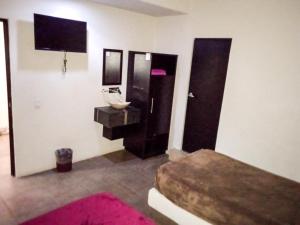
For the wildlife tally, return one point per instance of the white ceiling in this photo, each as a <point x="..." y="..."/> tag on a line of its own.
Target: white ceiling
<point x="140" y="7"/>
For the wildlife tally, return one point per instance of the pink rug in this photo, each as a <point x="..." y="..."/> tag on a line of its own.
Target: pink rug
<point x="99" y="209"/>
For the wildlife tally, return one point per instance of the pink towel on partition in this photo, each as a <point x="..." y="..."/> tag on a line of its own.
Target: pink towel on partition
<point x="158" y="72"/>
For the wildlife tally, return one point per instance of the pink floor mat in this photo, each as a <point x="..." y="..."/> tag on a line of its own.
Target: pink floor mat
<point x="99" y="209"/>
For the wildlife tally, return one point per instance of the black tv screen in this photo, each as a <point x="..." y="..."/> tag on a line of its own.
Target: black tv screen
<point x="57" y="34"/>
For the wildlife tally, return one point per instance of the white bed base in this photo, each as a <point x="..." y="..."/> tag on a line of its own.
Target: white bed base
<point x="179" y="215"/>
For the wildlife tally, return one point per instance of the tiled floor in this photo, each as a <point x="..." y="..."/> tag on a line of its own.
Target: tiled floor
<point x="121" y="173"/>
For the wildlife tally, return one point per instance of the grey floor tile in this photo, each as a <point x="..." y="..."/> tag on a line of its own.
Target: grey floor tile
<point x="121" y="173"/>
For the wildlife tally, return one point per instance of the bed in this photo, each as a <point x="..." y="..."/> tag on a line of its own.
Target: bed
<point x="206" y="187"/>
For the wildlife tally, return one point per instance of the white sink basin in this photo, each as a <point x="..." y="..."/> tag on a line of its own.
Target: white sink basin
<point x="115" y="100"/>
<point x="119" y="105"/>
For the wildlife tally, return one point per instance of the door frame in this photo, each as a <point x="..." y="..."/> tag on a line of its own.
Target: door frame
<point x="9" y="98"/>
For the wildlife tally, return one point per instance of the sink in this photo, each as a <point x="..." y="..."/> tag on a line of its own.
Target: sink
<point x="115" y="99"/>
<point x="119" y="105"/>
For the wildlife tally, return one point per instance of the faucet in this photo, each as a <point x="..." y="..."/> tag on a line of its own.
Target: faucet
<point x="115" y="90"/>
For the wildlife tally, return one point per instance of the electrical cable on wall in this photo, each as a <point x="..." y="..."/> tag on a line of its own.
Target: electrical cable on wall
<point x="65" y="62"/>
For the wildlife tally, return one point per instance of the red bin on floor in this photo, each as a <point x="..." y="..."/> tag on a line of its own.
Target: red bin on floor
<point x="64" y="159"/>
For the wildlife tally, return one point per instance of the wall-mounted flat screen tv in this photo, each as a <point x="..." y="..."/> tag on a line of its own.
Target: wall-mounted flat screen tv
<point x="57" y="34"/>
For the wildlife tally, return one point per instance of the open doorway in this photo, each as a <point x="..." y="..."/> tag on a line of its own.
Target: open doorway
<point x="7" y="162"/>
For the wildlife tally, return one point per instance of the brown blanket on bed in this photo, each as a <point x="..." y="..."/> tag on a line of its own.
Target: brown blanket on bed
<point x="223" y="191"/>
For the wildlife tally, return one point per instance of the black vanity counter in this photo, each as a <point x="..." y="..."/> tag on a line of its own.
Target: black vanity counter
<point x="117" y="123"/>
<point x="111" y="117"/>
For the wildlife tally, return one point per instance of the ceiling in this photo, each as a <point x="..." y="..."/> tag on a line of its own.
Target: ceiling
<point x="140" y="6"/>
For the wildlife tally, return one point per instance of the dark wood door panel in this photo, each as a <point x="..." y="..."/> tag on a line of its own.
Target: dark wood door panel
<point x="207" y="82"/>
<point x="161" y="93"/>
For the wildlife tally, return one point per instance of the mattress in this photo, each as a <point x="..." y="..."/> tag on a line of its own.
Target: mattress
<point x="179" y="215"/>
<point x="225" y="191"/>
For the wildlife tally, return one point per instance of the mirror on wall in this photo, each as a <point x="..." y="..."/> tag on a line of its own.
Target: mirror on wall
<point x="112" y="67"/>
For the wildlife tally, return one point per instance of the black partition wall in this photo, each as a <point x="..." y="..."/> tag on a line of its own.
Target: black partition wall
<point x="150" y="87"/>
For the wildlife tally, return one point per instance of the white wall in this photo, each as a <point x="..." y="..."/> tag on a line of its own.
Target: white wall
<point x="260" y="116"/>
<point x="260" y="119"/>
<point x="3" y="88"/>
<point x="52" y="110"/>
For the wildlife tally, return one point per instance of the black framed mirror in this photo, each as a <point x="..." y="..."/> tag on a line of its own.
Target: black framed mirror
<point x="112" y="67"/>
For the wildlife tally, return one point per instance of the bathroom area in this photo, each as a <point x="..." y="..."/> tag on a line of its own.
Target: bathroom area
<point x="142" y="115"/>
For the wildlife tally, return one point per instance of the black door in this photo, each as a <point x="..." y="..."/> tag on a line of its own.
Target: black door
<point x="207" y="82"/>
